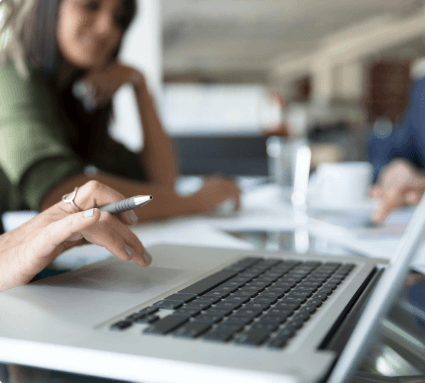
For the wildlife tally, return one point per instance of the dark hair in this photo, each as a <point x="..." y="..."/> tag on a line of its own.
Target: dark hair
<point x="39" y="33"/>
<point x="39" y="39"/>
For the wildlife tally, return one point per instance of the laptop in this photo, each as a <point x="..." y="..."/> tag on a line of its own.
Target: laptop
<point x="207" y="315"/>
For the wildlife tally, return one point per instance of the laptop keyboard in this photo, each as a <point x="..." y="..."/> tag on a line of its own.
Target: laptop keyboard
<point x="253" y="302"/>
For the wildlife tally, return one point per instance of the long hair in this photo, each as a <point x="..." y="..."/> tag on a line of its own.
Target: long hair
<point x="40" y="45"/>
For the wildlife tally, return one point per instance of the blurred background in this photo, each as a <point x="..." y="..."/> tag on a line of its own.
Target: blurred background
<point x="228" y="73"/>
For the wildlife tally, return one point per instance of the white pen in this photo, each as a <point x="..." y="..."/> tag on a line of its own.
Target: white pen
<point x="127" y="204"/>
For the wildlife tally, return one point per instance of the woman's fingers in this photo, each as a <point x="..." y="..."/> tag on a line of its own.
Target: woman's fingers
<point x="117" y="238"/>
<point x="95" y="194"/>
<point x="54" y="234"/>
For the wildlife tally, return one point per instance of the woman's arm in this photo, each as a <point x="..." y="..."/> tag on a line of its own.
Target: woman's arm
<point x="166" y="202"/>
<point x="158" y="155"/>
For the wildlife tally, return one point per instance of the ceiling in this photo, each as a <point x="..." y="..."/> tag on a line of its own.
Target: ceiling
<point x="240" y="39"/>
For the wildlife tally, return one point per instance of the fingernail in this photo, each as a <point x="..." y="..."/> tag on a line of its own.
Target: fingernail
<point x="89" y="213"/>
<point x="147" y="257"/>
<point x="128" y="250"/>
<point x="133" y="216"/>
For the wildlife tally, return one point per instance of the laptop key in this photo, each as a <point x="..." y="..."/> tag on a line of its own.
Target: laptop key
<point x="166" y="325"/>
<point x="148" y="319"/>
<point x="204" y="299"/>
<point x="270" y="300"/>
<point x="287" y="305"/>
<point x="320" y="296"/>
<point x="230" y="328"/>
<point x="179" y="298"/>
<point x="228" y="305"/>
<point x="208" y="283"/>
<point x="257" y="305"/>
<point x="278" y="343"/>
<point x="278" y="312"/>
<point x="235" y="299"/>
<point x="252" y="338"/>
<point x="217" y="294"/>
<point x="191" y="330"/>
<point x="273" y="319"/>
<point x="267" y="327"/>
<point x="251" y="313"/>
<point x="187" y="312"/>
<point x="121" y="325"/>
<point x="209" y="319"/>
<point x="148" y="310"/>
<point x="218" y="311"/>
<point x="242" y="321"/>
<point x="215" y="336"/>
<point x="197" y="305"/>
<point x="168" y="304"/>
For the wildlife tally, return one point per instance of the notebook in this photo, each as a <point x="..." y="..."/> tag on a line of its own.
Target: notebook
<point x="207" y="314"/>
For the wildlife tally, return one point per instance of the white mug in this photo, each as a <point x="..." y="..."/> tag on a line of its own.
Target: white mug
<point x="343" y="184"/>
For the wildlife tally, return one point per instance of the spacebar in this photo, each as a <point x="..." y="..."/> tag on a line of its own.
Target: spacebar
<point x="208" y="283"/>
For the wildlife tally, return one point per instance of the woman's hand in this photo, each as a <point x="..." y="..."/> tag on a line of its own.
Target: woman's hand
<point x="400" y="184"/>
<point x="215" y="191"/>
<point x="28" y="249"/>
<point x="101" y="85"/>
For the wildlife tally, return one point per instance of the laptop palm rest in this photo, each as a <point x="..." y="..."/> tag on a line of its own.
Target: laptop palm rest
<point x="96" y="293"/>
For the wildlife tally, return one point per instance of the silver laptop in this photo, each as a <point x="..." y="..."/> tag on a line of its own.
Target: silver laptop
<point x="206" y="315"/>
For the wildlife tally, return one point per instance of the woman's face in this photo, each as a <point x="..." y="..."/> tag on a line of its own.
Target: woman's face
<point x="89" y="32"/>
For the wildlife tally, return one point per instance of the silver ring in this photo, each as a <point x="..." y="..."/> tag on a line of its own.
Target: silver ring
<point x="71" y="199"/>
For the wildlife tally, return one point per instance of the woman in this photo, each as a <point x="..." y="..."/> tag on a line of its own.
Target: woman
<point x="48" y="136"/>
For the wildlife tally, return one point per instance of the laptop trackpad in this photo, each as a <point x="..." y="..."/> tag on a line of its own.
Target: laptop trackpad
<point x="118" y="280"/>
<point x="97" y="293"/>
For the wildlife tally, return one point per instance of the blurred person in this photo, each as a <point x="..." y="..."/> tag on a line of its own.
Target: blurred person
<point x="54" y="122"/>
<point x="399" y="160"/>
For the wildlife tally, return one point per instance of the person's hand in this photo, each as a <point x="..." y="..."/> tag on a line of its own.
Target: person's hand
<point x="101" y="85"/>
<point x="215" y="191"/>
<point x="28" y="249"/>
<point x="400" y="184"/>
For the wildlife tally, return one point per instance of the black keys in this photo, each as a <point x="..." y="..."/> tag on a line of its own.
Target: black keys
<point x="172" y="305"/>
<point x="210" y="300"/>
<point x="166" y="325"/>
<point x="209" y="319"/>
<point x="264" y="326"/>
<point x="270" y="300"/>
<point x="208" y="283"/>
<point x="148" y="319"/>
<point x="257" y="305"/>
<point x="268" y="318"/>
<point x="252" y="338"/>
<point x="247" y="302"/>
<point x="278" y="342"/>
<point x="215" y="336"/>
<point x="179" y="298"/>
<point x="187" y="312"/>
<point x="148" y="310"/>
<point x="191" y="330"/>
<point x="228" y="305"/>
<point x="197" y="305"/>
<point x="235" y="299"/>
<point x="242" y="321"/>
<point x="250" y="313"/>
<point x="232" y="328"/>
<point x="218" y="311"/>
<point x="121" y="325"/>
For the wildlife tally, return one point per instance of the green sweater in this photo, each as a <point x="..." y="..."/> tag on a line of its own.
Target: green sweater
<point x="41" y="145"/>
